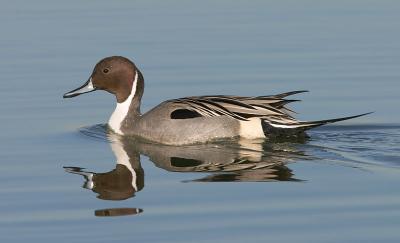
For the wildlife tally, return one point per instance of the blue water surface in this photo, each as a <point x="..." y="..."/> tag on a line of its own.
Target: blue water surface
<point x="341" y="185"/>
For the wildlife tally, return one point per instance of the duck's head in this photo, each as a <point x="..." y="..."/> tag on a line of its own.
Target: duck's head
<point x="117" y="75"/>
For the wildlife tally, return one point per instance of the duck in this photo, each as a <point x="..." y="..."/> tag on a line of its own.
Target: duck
<point x="193" y="119"/>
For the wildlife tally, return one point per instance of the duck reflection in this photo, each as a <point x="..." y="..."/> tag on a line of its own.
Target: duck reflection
<point x="120" y="183"/>
<point x="224" y="161"/>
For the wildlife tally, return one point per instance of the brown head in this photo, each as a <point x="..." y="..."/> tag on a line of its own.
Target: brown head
<point x="115" y="74"/>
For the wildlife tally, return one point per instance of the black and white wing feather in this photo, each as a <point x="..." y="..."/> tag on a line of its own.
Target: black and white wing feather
<point x="271" y="109"/>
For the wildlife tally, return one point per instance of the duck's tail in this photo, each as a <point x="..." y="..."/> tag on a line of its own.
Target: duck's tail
<point x="297" y="129"/>
<point x="312" y="124"/>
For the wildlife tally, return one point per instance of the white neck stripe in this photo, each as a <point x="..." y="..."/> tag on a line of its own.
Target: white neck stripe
<point x="122" y="109"/>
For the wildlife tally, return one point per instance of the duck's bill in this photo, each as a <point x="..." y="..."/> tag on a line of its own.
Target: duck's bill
<point x="86" y="88"/>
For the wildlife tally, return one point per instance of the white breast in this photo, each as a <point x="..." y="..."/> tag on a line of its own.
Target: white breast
<point x="122" y="109"/>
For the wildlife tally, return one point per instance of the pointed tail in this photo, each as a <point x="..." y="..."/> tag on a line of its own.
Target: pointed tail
<point x="313" y="124"/>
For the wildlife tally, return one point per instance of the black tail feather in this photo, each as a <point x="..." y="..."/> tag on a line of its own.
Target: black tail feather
<point x="273" y="129"/>
<point x="313" y="124"/>
<point x="283" y="95"/>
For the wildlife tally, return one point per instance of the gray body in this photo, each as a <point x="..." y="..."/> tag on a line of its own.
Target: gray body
<point x="157" y="125"/>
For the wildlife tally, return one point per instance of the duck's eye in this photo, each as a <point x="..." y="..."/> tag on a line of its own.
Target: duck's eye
<point x="105" y="70"/>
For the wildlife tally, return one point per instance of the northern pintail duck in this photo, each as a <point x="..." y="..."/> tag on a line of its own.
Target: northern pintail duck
<point x="195" y="119"/>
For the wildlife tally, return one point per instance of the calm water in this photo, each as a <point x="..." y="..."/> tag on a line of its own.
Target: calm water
<point x="63" y="175"/>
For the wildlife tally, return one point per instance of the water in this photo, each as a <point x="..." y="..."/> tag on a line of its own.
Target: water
<point x="339" y="186"/>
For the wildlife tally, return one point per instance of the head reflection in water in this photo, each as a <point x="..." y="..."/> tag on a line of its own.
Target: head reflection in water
<point x="234" y="160"/>
<point x="120" y="183"/>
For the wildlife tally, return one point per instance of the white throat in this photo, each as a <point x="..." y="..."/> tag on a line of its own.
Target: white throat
<point x="122" y="109"/>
